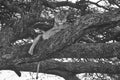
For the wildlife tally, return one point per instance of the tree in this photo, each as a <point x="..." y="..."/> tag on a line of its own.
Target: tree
<point x="87" y="38"/>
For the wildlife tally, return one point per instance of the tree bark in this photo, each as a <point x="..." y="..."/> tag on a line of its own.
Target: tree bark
<point x="63" y="45"/>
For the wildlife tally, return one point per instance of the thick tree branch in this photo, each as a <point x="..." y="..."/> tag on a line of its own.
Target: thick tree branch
<point x="89" y="50"/>
<point x="70" y="4"/>
<point x="68" y="36"/>
<point x="62" y="44"/>
<point x="71" y="68"/>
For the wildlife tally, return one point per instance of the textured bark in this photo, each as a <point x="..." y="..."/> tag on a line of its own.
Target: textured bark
<point x="62" y="45"/>
<point x="89" y="50"/>
<point x="68" y="70"/>
<point x="67" y="37"/>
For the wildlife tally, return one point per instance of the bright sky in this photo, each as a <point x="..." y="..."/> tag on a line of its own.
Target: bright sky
<point x="10" y="75"/>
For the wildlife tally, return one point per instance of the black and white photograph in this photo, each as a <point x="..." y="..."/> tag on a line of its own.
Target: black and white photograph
<point x="59" y="39"/>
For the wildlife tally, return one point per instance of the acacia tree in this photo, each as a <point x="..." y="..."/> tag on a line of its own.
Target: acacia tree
<point x="88" y="36"/>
